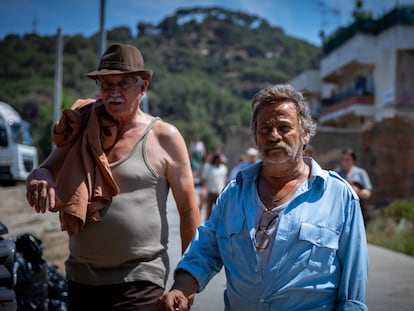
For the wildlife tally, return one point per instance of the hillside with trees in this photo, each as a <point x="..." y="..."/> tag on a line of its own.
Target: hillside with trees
<point x="207" y="62"/>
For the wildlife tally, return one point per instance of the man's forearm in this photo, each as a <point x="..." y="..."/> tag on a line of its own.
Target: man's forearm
<point x="189" y="222"/>
<point x="185" y="282"/>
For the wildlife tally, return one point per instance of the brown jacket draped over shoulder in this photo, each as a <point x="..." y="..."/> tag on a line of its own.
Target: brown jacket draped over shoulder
<point x="85" y="183"/>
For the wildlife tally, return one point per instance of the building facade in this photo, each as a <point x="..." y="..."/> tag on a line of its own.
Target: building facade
<point x="366" y="100"/>
<point x="366" y="72"/>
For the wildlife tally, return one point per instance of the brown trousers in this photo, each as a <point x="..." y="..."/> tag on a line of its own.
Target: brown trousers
<point x="140" y="296"/>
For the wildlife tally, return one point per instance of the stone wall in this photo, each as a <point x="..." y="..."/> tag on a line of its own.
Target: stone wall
<point x="389" y="147"/>
<point x="386" y="152"/>
<point x="238" y="140"/>
<point x="328" y="143"/>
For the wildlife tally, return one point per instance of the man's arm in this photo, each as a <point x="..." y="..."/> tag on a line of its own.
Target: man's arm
<point x="353" y="255"/>
<point x="365" y="193"/>
<point x="180" y="179"/>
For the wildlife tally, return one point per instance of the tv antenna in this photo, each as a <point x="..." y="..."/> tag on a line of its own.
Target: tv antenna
<point x="326" y="12"/>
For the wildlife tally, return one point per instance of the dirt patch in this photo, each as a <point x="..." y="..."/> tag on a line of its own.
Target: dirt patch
<point x="20" y="218"/>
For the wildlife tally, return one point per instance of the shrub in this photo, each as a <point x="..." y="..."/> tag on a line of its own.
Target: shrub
<point x="394" y="227"/>
<point x="400" y="209"/>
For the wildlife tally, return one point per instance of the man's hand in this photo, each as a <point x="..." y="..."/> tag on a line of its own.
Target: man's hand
<point x="40" y="190"/>
<point x="181" y="295"/>
<point x="175" y="300"/>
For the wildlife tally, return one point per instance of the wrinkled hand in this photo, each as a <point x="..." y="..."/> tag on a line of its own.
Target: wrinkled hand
<point x="40" y="190"/>
<point x="175" y="300"/>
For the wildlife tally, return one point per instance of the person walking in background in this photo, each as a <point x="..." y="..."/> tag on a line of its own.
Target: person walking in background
<point x="213" y="180"/>
<point x="289" y="234"/>
<point x="109" y="179"/>
<point x="250" y="157"/>
<point x="358" y="179"/>
<point x="197" y="153"/>
<point x="202" y="190"/>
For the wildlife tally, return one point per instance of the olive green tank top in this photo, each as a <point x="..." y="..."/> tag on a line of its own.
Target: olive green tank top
<point x="130" y="243"/>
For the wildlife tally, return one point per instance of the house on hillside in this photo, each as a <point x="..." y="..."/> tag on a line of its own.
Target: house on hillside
<point x="362" y="97"/>
<point x="371" y="64"/>
<point x="366" y="72"/>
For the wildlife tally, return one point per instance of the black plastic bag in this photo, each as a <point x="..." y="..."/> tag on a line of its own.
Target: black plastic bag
<point x="58" y="290"/>
<point x="32" y="275"/>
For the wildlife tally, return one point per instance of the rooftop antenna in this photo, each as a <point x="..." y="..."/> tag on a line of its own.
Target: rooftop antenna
<point x="325" y="12"/>
<point x="337" y="12"/>
<point x="322" y="8"/>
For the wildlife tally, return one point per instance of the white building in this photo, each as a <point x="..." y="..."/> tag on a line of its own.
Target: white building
<point x="366" y="72"/>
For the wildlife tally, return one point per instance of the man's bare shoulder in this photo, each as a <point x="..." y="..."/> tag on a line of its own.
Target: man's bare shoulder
<point x="168" y="137"/>
<point x="167" y="147"/>
<point x="165" y="130"/>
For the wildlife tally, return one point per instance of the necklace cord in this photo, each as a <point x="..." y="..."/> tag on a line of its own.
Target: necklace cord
<point x="276" y="201"/>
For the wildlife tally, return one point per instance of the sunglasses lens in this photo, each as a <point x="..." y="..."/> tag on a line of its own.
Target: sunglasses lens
<point x="262" y="235"/>
<point x="262" y="239"/>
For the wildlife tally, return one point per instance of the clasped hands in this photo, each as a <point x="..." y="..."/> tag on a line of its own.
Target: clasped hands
<point x="174" y="300"/>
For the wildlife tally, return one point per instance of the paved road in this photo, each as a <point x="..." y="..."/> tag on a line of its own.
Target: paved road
<point x="390" y="285"/>
<point x="391" y="280"/>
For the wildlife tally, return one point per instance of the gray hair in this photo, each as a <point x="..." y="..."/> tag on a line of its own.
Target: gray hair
<point x="279" y="93"/>
<point x="139" y="81"/>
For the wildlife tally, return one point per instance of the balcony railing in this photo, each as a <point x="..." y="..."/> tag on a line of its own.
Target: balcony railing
<point x="333" y="104"/>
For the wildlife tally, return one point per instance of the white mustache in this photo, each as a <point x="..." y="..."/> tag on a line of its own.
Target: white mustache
<point x="280" y="144"/>
<point x="115" y="100"/>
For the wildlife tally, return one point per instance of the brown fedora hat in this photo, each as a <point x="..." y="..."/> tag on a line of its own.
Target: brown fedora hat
<point x="121" y="59"/>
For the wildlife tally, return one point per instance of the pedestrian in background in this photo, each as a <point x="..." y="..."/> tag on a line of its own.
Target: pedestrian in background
<point x="214" y="179"/>
<point x="289" y="234"/>
<point x="197" y="153"/>
<point x="202" y="190"/>
<point x="250" y="157"/>
<point x="358" y="178"/>
<point x="109" y="179"/>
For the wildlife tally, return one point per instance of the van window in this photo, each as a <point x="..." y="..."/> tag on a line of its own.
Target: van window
<point x="3" y="136"/>
<point x="21" y="133"/>
<point x="3" y="133"/>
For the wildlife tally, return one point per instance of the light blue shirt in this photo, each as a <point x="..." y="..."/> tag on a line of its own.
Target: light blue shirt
<point x="319" y="259"/>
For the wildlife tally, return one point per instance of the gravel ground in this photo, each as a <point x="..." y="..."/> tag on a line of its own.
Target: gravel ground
<point x="19" y="218"/>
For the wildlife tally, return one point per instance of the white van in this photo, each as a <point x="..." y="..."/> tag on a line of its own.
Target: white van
<point x="18" y="156"/>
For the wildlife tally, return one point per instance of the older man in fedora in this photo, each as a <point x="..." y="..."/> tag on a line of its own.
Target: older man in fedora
<point x="109" y="179"/>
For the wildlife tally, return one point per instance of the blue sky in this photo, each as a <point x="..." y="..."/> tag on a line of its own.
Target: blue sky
<point x="299" y="18"/>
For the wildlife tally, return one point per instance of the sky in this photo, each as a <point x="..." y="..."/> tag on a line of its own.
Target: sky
<point x="303" y="19"/>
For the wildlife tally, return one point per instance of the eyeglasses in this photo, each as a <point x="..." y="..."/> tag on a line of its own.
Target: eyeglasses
<point x="262" y="236"/>
<point x="125" y="84"/>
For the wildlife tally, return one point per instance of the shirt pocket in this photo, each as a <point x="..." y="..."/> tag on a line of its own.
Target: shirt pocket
<point x="324" y="243"/>
<point x="232" y="239"/>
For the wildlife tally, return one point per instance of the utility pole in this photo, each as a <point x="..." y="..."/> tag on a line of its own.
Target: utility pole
<point x="57" y="98"/>
<point x="102" y="31"/>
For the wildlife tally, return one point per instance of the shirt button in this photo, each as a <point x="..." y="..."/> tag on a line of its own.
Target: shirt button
<point x="262" y="300"/>
<point x="256" y="269"/>
<point x="318" y="241"/>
